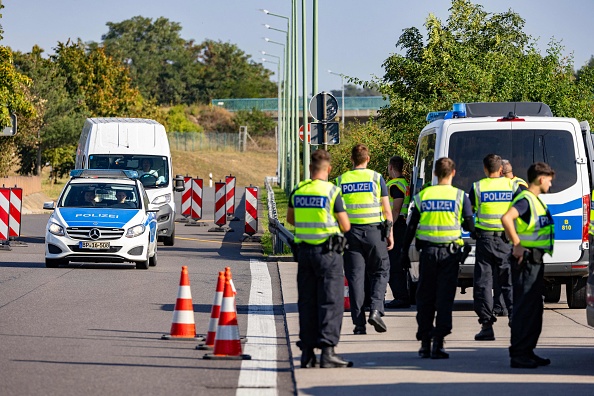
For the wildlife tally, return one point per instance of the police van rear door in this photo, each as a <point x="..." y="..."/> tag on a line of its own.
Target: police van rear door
<point x="558" y="142"/>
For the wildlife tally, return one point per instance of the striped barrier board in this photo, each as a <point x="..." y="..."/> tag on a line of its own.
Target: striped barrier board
<point x="196" y="208"/>
<point x="4" y="212"/>
<point x="251" y="210"/>
<point x="14" y="215"/>
<point x="220" y="199"/>
<point x="186" y="201"/>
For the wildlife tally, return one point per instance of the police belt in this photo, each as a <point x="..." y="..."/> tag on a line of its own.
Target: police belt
<point x="480" y="232"/>
<point x="452" y="247"/>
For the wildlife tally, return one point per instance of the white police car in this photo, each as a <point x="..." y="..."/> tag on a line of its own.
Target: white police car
<point x="102" y="216"/>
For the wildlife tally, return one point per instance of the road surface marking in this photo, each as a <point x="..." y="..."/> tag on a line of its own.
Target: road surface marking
<point x="259" y="375"/>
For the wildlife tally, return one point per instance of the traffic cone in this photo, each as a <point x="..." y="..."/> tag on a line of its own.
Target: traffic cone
<point x="230" y="277"/>
<point x="347" y="299"/>
<point x="182" y="325"/>
<point x="227" y="344"/>
<point x="214" y="314"/>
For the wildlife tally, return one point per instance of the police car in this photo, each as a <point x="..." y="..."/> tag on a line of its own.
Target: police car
<point x="102" y="216"/>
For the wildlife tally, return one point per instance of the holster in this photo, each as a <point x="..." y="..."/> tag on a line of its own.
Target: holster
<point x="337" y="243"/>
<point x="386" y="228"/>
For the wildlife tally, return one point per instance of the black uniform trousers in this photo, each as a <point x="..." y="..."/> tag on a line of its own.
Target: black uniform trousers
<point x="528" y="284"/>
<point x="398" y="275"/>
<point x="320" y="287"/>
<point x="492" y="270"/>
<point x="436" y="290"/>
<point x="367" y="255"/>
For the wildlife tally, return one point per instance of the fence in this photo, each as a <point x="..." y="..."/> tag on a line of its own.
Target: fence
<point x="193" y="141"/>
<point x="281" y="237"/>
<point x="271" y="104"/>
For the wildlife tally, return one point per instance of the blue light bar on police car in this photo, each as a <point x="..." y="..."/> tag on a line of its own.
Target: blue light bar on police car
<point x="458" y="111"/>
<point x="435" y="115"/>
<point x="104" y="173"/>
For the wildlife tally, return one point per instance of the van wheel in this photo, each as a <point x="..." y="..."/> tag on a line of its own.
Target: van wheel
<point x="552" y="292"/>
<point x="169" y="240"/>
<point x="576" y="292"/>
<point x="153" y="260"/>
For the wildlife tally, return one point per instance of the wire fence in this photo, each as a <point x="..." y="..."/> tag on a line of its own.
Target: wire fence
<point x="194" y="141"/>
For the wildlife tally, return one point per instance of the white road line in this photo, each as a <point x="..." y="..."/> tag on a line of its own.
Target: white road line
<point x="259" y="375"/>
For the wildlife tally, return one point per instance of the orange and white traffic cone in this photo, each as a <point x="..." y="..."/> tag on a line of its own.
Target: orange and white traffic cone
<point x="227" y="343"/>
<point x="347" y="299"/>
<point x="229" y="276"/>
<point x="214" y="314"/>
<point x="182" y="325"/>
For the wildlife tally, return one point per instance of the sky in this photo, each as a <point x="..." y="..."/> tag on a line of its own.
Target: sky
<point x="355" y="36"/>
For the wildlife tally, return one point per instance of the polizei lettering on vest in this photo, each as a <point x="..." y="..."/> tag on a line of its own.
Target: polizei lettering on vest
<point x="348" y="188"/>
<point x="97" y="215"/>
<point x="496" y="196"/>
<point x="437" y="205"/>
<point x="308" y="201"/>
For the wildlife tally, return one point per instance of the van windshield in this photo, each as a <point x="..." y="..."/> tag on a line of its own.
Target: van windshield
<point x="521" y="147"/>
<point x="152" y="169"/>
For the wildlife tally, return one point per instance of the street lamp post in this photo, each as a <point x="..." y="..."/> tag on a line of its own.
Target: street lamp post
<point x="342" y="99"/>
<point x="279" y="137"/>
<point x="306" y="145"/>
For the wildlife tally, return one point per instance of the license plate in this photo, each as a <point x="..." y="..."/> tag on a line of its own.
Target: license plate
<point x="93" y="245"/>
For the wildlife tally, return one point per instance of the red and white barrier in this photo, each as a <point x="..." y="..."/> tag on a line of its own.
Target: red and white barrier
<point x="4" y="212"/>
<point x="186" y="201"/>
<point x="14" y="216"/>
<point x="220" y="198"/>
<point x="251" y="210"/>
<point x="196" y="209"/>
<point x="230" y="200"/>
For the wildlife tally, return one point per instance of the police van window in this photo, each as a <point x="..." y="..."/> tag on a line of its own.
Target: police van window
<point x="520" y="147"/>
<point x="424" y="161"/>
<point x="156" y="168"/>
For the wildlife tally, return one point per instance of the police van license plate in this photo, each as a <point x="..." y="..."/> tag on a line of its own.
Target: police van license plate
<point x="93" y="245"/>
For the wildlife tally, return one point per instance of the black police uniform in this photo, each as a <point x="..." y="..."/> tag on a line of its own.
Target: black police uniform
<point x="398" y="274"/>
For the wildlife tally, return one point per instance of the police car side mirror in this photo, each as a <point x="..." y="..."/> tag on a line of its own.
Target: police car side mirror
<point x="51" y="205"/>
<point x="178" y="183"/>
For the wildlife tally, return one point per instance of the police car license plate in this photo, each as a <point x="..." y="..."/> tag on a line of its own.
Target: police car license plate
<point x="93" y="245"/>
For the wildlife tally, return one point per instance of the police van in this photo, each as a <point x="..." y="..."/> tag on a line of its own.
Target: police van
<point x="102" y="216"/>
<point x="522" y="133"/>
<point x="134" y="144"/>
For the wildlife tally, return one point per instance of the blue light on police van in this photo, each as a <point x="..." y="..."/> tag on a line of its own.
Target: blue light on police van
<point x="132" y="174"/>
<point x="459" y="110"/>
<point x="435" y="115"/>
<point x="75" y="172"/>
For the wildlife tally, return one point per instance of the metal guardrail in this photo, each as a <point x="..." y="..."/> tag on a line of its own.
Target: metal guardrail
<point x="271" y="104"/>
<point x="281" y="237"/>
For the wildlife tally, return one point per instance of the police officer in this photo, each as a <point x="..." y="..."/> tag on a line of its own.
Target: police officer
<point x="436" y="218"/>
<point x="529" y="226"/>
<point x="316" y="209"/>
<point x="367" y="204"/>
<point x="508" y="171"/>
<point x="399" y="196"/>
<point x="491" y="198"/>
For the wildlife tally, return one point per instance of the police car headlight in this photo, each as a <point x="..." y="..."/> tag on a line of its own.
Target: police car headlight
<point x="56" y="229"/>
<point x="135" y="231"/>
<point x="162" y="199"/>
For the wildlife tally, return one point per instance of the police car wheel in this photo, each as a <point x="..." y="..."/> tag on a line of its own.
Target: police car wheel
<point x="53" y="263"/>
<point x="143" y="264"/>
<point x="153" y="260"/>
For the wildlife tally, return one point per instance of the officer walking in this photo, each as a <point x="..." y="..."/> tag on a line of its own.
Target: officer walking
<point x="437" y="216"/>
<point x="491" y="198"/>
<point x="316" y="209"/>
<point x="529" y="226"/>
<point x="399" y="196"/>
<point x="366" y="198"/>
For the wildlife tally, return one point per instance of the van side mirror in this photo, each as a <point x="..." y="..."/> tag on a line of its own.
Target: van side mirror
<point x="178" y="183"/>
<point x="51" y="205"/>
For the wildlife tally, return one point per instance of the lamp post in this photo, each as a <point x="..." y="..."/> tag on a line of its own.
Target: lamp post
<point x="279" y="134"/>
<point x="342" y="100"/>
<point x="306" y="145"/>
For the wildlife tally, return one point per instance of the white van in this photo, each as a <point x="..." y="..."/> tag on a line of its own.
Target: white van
<point x="134" y="144"/>
<point x="523" y="133"/>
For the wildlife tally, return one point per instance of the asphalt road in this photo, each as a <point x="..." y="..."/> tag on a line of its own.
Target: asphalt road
<point x="95" y="329"/>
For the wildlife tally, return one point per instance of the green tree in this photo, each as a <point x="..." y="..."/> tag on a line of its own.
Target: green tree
<point x="258" y="123"/>
<point x="351" y="90"/>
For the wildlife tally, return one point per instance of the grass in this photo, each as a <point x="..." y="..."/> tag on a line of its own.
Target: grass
<point x="281" y="207"/>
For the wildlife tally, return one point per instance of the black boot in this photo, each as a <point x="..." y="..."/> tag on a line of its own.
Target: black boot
<point x="308" y="358"/>
<point x="486" y="333"/>
<point x="437" y="351"/>
<point x="331" y="360"/>
<point x="425" y="351"/>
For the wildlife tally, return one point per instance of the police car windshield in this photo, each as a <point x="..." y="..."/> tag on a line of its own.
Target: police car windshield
<point x="153" y="170"/>
<point x="100" y="195"/>
<point x="520" y="147"/>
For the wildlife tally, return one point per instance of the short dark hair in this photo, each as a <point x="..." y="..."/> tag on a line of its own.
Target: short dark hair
<point x="397" y="163"/>
<point x="492" y="163"/>
<point x="319" y="160"/>
<point x="507" y="166"/>
<point x="359" y="154"/>
<point x="444" y="167"/>
<point x="538" y="169"/>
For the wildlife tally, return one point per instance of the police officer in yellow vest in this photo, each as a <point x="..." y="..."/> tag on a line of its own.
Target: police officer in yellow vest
<point x="491" y="197"/>
<point x="317" y="211"/>
<point x="399" y="195"/>
<point x="436" y="219"/>
<point x="529" y="226"/>
<point x="367" y="204"/>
